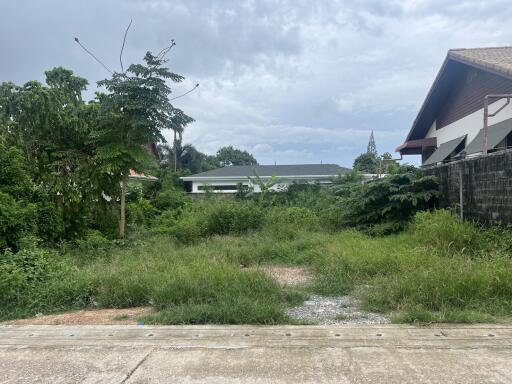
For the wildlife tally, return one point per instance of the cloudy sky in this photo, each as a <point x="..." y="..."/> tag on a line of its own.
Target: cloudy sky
<point x="291" y="81"/>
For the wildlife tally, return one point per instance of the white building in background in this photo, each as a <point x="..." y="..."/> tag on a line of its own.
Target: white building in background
<point x="225" y="180"/>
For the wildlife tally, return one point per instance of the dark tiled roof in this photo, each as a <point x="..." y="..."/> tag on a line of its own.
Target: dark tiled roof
<point x="497" y="58"/>
<point x="276" y="170"/>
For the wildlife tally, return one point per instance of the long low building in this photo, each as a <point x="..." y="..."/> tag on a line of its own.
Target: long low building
<point x="226" y="179"/>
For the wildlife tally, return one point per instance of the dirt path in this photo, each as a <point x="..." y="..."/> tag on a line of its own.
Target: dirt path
<point x="321" y="309"/>
<point x="125" y="316"/>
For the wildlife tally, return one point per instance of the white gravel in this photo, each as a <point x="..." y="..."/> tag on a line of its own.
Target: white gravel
<point x="335" y="310"/>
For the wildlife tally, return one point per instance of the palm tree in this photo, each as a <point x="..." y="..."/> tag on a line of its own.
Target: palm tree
<point x="186" y="157"/>
<point x="179" y="121"/>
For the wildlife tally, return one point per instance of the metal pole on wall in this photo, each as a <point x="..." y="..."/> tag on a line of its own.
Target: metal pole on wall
<point x="487" y="115"/>
<point x="461" y="195"/>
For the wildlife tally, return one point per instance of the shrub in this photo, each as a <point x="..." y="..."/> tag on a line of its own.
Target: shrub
<point x="233" y="217"/>
<point x="17" y="219"/>
<point x="190" y="227"/>
<point x="164" y="222"/>
<point x="140" y="212"/>
<point x="442" y="231"/>
<point x="215" y="217"/>
<point x="105" y="218"/>
<point x="93" y="241"/>
<point x="25" y="270"/>
<point x="288" y="222"/>
<point x="392" y="200"/>
<point x="170" y="199"/>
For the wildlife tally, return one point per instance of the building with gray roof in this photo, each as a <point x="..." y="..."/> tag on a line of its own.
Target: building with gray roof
<point x="226" y="179"/>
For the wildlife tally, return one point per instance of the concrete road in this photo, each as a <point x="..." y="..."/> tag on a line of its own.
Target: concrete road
<point x="246" y="354"/>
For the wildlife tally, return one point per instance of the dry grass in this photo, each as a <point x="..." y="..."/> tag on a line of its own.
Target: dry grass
<point x="124" y="316"/>
<point x="289" y="275"/>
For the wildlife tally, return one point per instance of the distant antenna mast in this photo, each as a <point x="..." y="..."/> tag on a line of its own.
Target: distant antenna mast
<point x="372" y="148"/>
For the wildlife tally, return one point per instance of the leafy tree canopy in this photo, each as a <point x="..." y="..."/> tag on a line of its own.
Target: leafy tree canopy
<point x="227" y="156"/>
<point x="366" y="163"/>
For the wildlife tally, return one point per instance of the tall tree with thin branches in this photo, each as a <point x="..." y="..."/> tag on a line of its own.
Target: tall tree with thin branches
<point x="132" y="114"/>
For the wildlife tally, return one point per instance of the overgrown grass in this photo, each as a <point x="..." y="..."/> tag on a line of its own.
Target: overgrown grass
<point x="439" y="270"/>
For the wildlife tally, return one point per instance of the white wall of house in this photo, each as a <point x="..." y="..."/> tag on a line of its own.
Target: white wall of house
<point x="283" y="183"/>
<point x="469" y="125"/>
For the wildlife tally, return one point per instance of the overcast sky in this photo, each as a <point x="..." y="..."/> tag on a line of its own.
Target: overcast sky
<point x="290" y="81"/>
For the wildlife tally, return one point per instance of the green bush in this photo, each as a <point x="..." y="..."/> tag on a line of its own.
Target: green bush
<point x="216" y="217"/>
<point x="104" y="217"/>
<point x="17" y="219"/>
<point x="190" y="227"/>
<point x="442" y="231"/>
<point x="140" y="212"/>
<point x="224" y="217"/>
<point x="170" y="199"/>
<point x="25" y="209"/>
<point x="93" y="241"/>
<point x="26" y="270"/>
<point x="166" y="221"/>
<point x="289" y="222"/>
<point x="386" y="205"/>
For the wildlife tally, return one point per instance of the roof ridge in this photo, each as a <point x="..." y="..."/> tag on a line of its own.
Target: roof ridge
<point x="479" y="48"/>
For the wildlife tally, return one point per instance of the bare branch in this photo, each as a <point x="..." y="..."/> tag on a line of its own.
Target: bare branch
<point x="186" y="93"/>
<point x="164" y="51"/>
<point x="94" y="57"/>
<point x="122" y="47"/>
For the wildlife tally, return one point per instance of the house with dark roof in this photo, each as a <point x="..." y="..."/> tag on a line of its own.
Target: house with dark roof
<point x="225" y="180"/>
<point x="450" y="123"/>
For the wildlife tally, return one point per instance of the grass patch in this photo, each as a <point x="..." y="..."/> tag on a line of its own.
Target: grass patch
<point x="421" y="275"/>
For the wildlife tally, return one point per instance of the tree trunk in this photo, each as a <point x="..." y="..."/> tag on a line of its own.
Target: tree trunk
<point x="175" y="155"/>
<point x="122" y="218"/>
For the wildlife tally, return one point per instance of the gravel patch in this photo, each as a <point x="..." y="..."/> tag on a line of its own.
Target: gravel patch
<point x="335" y="310"/>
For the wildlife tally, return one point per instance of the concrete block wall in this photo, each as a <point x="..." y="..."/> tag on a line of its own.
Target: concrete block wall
<point x="486" y="186"/>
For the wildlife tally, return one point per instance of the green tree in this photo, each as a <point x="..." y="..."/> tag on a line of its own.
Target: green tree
<point x="186" y="157"/>
<point x="366" y="163"/>
<point x="50" y="123"/>
<point x="231" y="156"/>
<point x="265" y="187"/>
<point x="132" y="115"/>
<point x="25" y="209"/>
<point x="179" y="121"/>
<point x="386" y="205"/>
<point x="388" y="164"/>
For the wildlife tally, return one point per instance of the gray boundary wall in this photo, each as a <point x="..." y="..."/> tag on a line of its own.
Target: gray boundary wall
<point x="486" y="186"/>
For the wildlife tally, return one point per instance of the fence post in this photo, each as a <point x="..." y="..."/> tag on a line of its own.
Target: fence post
<point x="461" y="195"/>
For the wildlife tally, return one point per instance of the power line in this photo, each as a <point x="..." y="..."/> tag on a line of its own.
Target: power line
<point x="94" y="57"/>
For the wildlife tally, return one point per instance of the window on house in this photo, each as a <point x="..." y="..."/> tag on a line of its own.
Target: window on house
<point x="217" y="187"/>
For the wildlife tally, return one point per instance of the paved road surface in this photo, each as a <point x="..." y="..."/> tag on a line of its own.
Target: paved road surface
<point x="246" y="354"/>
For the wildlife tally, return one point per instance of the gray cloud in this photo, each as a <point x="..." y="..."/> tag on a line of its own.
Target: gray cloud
<point x="290" y="80"/>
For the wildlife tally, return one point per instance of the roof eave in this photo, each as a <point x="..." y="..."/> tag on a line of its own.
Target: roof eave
<point x="451" y="55"/>
<point x="429" y="95"/>
<point x="202" y="178"/>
